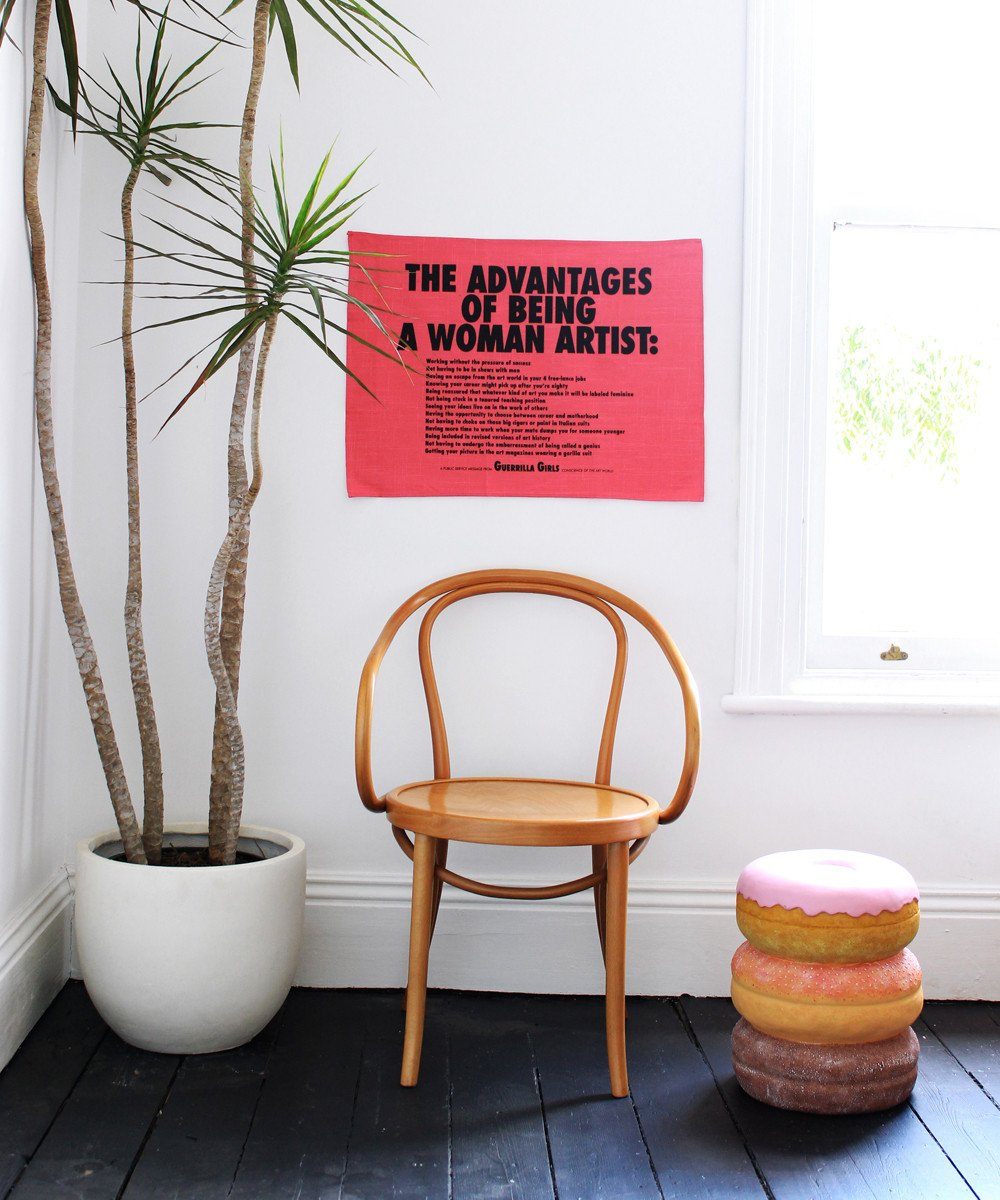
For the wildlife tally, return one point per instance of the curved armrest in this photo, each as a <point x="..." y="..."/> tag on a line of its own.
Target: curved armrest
<point x="366" y="689"/>
<point x="363" y="741"/>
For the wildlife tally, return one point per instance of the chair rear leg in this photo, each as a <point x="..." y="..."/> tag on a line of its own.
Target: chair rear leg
<point x="440" y="860"/>
<point x="599" y="859"/>
<point x="616" y="911"/>
<point x="421" y="913"/>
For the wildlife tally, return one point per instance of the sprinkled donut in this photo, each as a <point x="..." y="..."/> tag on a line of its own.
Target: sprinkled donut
<point x="825" y="1079"/>
<point x="830" y="1003"/>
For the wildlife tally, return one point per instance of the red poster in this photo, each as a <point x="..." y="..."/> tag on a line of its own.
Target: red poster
<point x="538" y="368"/>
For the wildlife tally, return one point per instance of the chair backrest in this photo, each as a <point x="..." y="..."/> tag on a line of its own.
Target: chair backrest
<point x="605" y="600"/>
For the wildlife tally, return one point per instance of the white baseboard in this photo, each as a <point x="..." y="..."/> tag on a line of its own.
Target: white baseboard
<point x="681" y="938"/>
<point x="34" y="960"/>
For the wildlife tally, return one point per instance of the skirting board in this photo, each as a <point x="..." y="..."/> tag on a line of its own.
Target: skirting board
<point x="681" y="937"/>
<point x="34" y="960"/>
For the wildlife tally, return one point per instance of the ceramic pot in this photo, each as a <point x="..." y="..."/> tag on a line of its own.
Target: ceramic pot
<point x="190" y="960"/>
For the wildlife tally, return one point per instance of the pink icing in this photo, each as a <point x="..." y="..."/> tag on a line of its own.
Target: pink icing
<point x="828" y="881"/>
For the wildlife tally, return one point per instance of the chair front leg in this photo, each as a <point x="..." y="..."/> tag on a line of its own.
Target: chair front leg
<point x="616" y="912"/>
<point x="421" y="919"/>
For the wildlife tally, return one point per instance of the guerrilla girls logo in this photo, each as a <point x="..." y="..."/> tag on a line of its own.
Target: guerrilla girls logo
<point x="511" y="310"/>
<point x="539" y="466"/>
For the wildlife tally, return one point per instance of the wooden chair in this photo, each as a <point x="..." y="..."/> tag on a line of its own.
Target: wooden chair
<point x="614" y="822"/>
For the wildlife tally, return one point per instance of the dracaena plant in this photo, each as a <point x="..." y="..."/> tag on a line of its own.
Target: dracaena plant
<point x="73" y="611"/>
<point x="297" y="274"/>
<point x="69" y="595"/>
<point x="283" y="270"/>
<point x="137" y="120"/>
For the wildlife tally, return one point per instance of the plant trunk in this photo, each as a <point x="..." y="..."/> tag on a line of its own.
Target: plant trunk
<point x="149" y="736"/>
<point x="234" y="591"/>
<point x="76" y="621"/>
<point x="213" y="604"/>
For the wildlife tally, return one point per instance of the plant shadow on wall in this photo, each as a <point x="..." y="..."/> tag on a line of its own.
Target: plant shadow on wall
<point x="251" y="266"/>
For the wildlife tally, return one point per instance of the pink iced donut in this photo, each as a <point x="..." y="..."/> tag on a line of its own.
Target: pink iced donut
<point x="827" y="905"/>
<point x="829" y="881"/>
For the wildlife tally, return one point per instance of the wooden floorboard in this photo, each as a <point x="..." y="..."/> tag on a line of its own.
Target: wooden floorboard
<point x="513" y="1104"/>
<point x="499" y="1151"/>
<point x="41" y="1075"/>
<point x="399" y="1140"/>
<point x="196" y="1144"/>
<point x="698" y="1152"/>
<point x="883" y="1156"/>
<point x="90" y="1147"/>
<point x="595" y="1140"/>
<point x="959" y="1115"/>
<point x="969" y="1030"/>
<point x="297" y="1144"/>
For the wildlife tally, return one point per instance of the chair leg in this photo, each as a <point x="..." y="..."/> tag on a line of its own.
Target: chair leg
<point x="616" y="911"/>
<point x="599" y="859"/>
<point x="440" y="860"/>
<point x="421" y="907"/>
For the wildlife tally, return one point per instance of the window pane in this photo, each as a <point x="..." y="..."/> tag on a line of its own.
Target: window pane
<point x="913" y="439"/>
<point x="907" y="93"/>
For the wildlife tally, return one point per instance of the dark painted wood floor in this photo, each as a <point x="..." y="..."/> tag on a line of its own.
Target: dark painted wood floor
<point x="512" y="1103"/>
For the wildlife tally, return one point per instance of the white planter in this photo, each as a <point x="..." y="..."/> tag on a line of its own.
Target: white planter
<point x="189" y="960"/>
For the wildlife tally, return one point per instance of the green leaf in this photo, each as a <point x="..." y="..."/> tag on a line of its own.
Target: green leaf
<point x="6" y="9"/>
<point x="320" y="311"/>
<point x="67" y="39"/>
<point x="280" y="11"/>
<point x="231" y="343"/>
<point x="294" y="267"/>
<point x="309" y="198"/>
<point x="363" y="30"/>
<point x="330" y="354"/>
<point x="279" y="200"/>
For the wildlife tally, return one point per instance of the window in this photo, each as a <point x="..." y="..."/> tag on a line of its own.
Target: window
<point x="870" y="500"/>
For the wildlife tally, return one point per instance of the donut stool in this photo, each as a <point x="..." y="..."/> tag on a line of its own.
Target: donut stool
<point x="825" y="1079"/>
<point x="825" y="986"/>
<point x="827" y="1002"/>
<point x="827" y="906"/>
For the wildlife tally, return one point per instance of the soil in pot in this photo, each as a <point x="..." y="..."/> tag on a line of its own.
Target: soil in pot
<point x="192" y="856"/>
<point x="191" y="850"/>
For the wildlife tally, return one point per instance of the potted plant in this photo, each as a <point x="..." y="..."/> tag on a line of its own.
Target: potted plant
<point x="177" y="959"/>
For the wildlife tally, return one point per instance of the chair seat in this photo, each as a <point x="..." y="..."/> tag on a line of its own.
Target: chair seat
<point x="522" y="812"/>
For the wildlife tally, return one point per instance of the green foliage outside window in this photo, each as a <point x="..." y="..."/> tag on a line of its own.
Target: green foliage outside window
<point x="896" y="392"/>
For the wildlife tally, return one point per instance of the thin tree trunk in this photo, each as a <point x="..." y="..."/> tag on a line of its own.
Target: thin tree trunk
<point x="213" y="603"/>
<point x="149" y="737"/>
<point x="76" y="621"/>
<point x="234" y="592"/>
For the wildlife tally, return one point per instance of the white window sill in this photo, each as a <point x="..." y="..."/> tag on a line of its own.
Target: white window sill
<point x="895" y="705"/>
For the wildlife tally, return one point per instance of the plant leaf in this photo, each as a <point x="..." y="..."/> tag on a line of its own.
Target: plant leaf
<point x="280" y="11"/>
<point x="71" y="60"/>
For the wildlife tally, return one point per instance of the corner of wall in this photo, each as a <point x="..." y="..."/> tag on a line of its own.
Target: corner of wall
<point x="34" y="960"/>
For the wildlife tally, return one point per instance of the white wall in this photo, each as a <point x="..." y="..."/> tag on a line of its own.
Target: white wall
<point x="34" y="894"/>
<point x="562" y="121"/>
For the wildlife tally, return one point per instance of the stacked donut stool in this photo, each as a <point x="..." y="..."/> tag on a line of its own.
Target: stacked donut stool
<point x="824" y="984"/>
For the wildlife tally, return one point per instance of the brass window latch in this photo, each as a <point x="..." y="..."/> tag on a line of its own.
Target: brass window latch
<point x="894" y="654"/>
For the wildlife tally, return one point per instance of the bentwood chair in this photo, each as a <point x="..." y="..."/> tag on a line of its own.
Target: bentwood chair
<point x="615" y="822"/>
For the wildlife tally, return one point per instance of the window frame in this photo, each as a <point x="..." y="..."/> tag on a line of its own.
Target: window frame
<point x="782" y="439"/>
